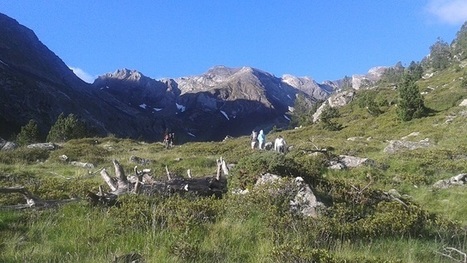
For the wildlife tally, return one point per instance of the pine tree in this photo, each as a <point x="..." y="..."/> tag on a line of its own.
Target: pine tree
<point x="29" y="134"/>
<point x="66" y="128"/>
<point x="327" y="116"/>
<point x="411" y="104"/>
<point x="440" y="55"/>
<point x="302" y="113"/>
<point x="415" y="70"/>
<point x="460" y="43"/>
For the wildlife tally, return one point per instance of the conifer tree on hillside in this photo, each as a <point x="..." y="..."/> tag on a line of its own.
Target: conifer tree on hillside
<point x="440" y="55"/>
<point x="29" y="134"/>
<point x="415" y="69"/>
<point x="459" y="45"/>
<point x="303" y="111"/>
<point x="411" y="104"/>
<point x="66" y="128"/>
<point x="327" y="118"/>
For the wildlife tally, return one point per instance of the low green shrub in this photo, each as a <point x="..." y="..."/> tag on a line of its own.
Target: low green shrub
<point x="24" y="155"/>
<point x="83" y="150"/>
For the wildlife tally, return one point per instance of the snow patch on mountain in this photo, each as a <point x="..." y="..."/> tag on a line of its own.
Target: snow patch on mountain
<point x="225" y="115"/>
<point x="180" y="107"/>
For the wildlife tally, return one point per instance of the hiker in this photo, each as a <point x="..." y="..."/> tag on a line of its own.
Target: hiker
<point x="261" y="140"/>
<point x="167" y="139"/>
<point x="280" y="144"/>
<point x="254" y="139"/>
<point x="171" y="139"/>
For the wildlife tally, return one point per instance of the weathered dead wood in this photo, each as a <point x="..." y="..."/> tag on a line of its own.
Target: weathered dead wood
<point x="143" y="183"/>
<point x="32" y="201"/>
<point x="108" y="180"/>
<point x="454" y="254"/>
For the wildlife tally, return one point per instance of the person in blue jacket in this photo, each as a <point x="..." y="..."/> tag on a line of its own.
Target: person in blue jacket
<point x="261" y="140"/>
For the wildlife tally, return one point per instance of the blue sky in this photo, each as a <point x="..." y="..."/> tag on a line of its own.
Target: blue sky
<point x="324" y="40"/>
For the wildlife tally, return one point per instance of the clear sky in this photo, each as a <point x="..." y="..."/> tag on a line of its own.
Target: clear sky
<point x="321" y="39"/>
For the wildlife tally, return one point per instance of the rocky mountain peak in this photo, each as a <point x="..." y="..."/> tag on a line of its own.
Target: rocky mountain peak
<point x="373" y="75"/>
<point x="124" y="74"/>
<point x="296" y="81"/>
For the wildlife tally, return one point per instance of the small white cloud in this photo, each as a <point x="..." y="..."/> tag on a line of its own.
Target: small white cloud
<point x="448" y="11"/>
<point x="83" y="75"/>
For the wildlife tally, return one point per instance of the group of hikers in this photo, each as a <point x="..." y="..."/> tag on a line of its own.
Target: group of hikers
<point x="258" y="140"/>
<point x="169" y="139"/>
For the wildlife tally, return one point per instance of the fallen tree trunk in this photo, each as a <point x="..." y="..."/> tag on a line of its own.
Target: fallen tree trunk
<point x="143" y="183"/>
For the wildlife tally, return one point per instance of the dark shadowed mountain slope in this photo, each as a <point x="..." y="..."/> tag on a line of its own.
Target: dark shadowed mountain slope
<point x="36" y="84"/>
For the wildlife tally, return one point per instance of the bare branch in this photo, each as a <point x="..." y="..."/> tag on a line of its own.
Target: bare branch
<point x="460" y="256"/>
<point x="167" y="172"/>
<point x="110" y="182"/>
<point x="31" y="200"/>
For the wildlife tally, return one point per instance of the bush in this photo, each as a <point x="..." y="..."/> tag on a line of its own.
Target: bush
<point x="88" y="150"/>
<point x="24" y="156"/>
<point x="251" y="167"/>
<point x="66" y="128"/>
<point x="326" y="119"/>
<point x="411" y="104"/>
<point x="28" y="134"/>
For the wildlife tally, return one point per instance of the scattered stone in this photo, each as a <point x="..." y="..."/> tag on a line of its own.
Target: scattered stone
<point x="347" y="161"/>
<point x="44" y="146"/>
<point x="81" y="164"/>
<point x="413" y="134"/>
<point x="397" y="145"/>
<point x="304" y="201"/>
<point x="335" y="165"/>
<point x="460" y="179"/>
<point x="63" y="158"/>
<point x="139" y="160"/>
<point x="463" y="103"/>
<point x="354" y="138"/>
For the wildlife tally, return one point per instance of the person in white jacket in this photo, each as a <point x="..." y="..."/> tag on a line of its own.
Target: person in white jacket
<point x="254" y="139"/>
<point x="280" y="145"/>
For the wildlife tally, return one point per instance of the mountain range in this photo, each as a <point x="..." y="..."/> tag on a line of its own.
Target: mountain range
<point x="36" y="84"/>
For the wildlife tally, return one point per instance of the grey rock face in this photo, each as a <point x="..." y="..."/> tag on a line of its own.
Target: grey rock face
<point x="339" y="99"/>
<point x="398" y="145"/>
<point x="347" y="161"/>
